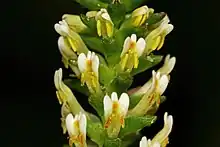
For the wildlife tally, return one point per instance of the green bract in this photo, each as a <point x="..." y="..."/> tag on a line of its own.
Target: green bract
<point x="105" y="48"/>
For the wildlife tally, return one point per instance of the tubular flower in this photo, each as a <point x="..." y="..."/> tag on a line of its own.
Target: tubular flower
<point x="132" y="50"/>
<point x="64" y="94"/>
<point x="168" y="65"/>
<point x="72" y="37"/>
<point x="69" y="57"/>
<point x="115" y="111"/>
<point x="161" y="139"/>
<point x="155" y="39"/>
<point x="140" y="15"/>
<point x="105" y="25"/>
<point x="166" y="69"/>
<point x="76" y="127"/>
<point x="152" y="94"/>
<point x="89" y="67"/>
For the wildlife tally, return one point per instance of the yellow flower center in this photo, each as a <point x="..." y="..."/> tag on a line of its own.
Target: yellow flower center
<point x="89" y="77"/>
<point x="130" y="59"/>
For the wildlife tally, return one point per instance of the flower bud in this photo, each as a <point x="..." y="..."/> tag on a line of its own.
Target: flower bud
<point x="140" y="15"/>
<point x="74" y="22"/>
<point x="155" y="39"/>
<point x="105" y="26"/>
<point x="73" y="38"/>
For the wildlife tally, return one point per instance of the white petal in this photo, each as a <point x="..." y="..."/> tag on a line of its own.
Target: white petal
<point x="114" y="97"/>
<point x="89" y="55"/>
<point x="69" y="124"/>
<point x="163" y="83"/>
<point x="168" y="120"/>
<point x="126" y="45"/>
<point x="95" y="65"/>
<point x="107" y="106"/>
<point x="158" y="75"/>
<point x="133" y="37"/>
<point x="106" y="16"/>
<point x="143" y="142"/>
<point x="124" y="103"/>
<point x="168" y="66"/>
<point x="62" y="28"/>
<point x="82" y="62"/>
<point x="58" y="78"/>
<point x="168" y="28"/>
<point x="140" y="46"/>
<point x="83" y="123"/>
<point x="171" y="64"/>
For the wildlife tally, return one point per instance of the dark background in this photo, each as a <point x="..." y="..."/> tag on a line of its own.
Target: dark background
<point x="30" y="110"/>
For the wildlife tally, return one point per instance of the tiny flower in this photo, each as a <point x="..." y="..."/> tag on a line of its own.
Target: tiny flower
<point x="105" y="25"/>
<point x="151" y="92"/>
<point x="155" y="39"/>
<point x="140" y="15"/>
<point x="168" y="65"/>
<point x="132" y="50"/>
<point x="162" y="136"/>
<point x="89" y="67"/>
<point x="147" y="143"/>
<point x="76" y="127"/>
<point x="64" y="94"/>
<point x="115" y="111"/>
<point x="74" y="40"/>
<point x="74" y="22"/>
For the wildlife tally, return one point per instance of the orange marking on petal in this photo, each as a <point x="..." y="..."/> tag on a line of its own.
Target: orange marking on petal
<point x="108" y="122"/>
<point x="132" y="45"/>
<point x="122" y="121"/>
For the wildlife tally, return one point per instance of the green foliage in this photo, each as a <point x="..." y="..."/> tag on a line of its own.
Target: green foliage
<point x="136" y="123"/>
<point x="92" y="4"/>
<point x="96" y="132"/>
<point x="146" y="63"/>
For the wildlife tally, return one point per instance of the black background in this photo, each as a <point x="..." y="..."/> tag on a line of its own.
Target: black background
<point x="30" y="110"/>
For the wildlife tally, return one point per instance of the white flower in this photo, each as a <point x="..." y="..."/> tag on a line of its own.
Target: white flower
<point x="66" y="51"/>
<point x="105" y="25"/>
<point x="113" y="105"/>
<point x="89" y="67"/>
<point x="88" y="63"/>
<point x="140" y="15"/>
<point x="162" y="136"/>
<point x="151" y="92"/>
<point x="147" y="143"/>
<point x="62" y="28"/>
<point x="155" y="39"/>
<point x="73" y="38"/>
<point x="168" y="65"/>
<point x="64" y="94"/>
<point x="115" y="111"/>
<point x="76" y="127"/>
<point x="132" y="50"/>
<point x="161" y="139"/>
